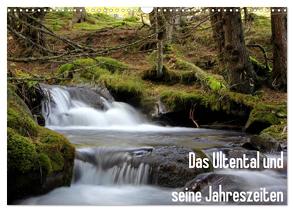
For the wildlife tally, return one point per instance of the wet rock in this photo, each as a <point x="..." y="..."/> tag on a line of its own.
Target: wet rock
<point x="170" y="165"/>
<point x="262" y="144"/>
<point x="202" y="181"/>
<point x="93" y="96"/>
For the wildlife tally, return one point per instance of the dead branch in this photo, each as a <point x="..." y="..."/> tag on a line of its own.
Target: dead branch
<point x="30" y="41"/>
<point x="263" y="51"/>
<point x="192" y="28"/>
<point x="77" y="54"/>
<point x="49" y="32"/>
<point x="191" y="115"/>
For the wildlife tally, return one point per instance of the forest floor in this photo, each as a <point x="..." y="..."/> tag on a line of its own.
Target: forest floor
<point x="193" y="47"/>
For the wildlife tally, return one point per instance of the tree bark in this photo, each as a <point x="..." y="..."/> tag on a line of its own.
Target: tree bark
<point x="239" y="71"/>
<point x="80" y="15"/>
<point x="246" y="17"/>
<point x="218" y="32"/>
<point x="279" y="39"/>
<point x="169" y="24"/>
<point x="158" y="21"/>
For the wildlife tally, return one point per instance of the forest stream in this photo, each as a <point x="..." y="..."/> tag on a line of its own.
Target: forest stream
<point x="113" y="147"/>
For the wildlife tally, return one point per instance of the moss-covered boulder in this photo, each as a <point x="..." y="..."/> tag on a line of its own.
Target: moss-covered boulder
<point x="263" y="116"/>
<point x="91" y="68"/>
<point x="38" y="159"/>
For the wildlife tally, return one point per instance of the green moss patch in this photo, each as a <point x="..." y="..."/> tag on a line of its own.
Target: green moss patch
<point x="263" y="116"/>
<point x="34" y="152"/>
<point x="277" y="132"/>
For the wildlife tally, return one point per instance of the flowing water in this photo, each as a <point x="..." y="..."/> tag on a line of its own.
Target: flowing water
<point x="109" y="135"/>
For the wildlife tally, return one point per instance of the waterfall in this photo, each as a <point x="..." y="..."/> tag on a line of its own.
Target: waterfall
<point x="108" y="166"/>
<point x="69" y="107"/>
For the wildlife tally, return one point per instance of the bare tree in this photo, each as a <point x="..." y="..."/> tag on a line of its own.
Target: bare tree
<point x="279" y="39"/>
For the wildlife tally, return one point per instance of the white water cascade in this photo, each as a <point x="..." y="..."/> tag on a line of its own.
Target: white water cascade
<point x="65" y="110"/>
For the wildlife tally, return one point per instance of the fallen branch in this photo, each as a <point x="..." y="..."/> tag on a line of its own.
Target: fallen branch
<point x="49" y="32"/>
<point x="30" y="41"/>
<point x="191" y="115"/>
<point x="263" y="51"/>
<point x="83" y="54"/>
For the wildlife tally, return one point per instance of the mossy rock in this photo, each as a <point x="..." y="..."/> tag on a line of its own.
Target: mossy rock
<point x="111" y="64"/>
<point x="22" y="123"/>
<point x="167" y="76"/>
<point x="277" y="132"/>
<point x="38" y="159"/>
<point x="21" y="152"/>
<point x="263" y="116"/>
<point x="91" y="68"/>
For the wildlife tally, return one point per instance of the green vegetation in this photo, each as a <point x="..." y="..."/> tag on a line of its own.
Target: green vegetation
<point x="57" y="20"/>
<point x="100" y="20"/>
<point x="265" y="116"/>
<point x="177" y="70"/>
<point x="34" y="153"/>
<point x="278" y="132"/>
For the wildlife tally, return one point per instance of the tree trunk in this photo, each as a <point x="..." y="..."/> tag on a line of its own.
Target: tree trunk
<point x="169" y="24"/>
<point x="239" y="71"/>
<point x="218" y="32"/>
<point x="279" y="39"/>
<point x="28" y="38"/>
<point x="80" y="15"/>
<point x="246" y="17"/>
<point x="160" y="37"/>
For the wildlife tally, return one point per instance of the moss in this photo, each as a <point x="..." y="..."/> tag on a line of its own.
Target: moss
<point x="103" y="17"/>
<point x="21" y="153"/>
<point x="53" y="144"/>
<point x="65" y="68"/>
<point x="121" y="83"/>
<point x="168" y="76"/>
<point x="94" y="73"/>
<point x="263" y="116"/>
<point x="259" y="68"/>
<point x="188" y="77"/>
<point x="34" y="153"/>
<point x="19" y="116"/>
<point x="278" y="132"/>
<point x="99" y="21"/>
<point x="183" y="65"/>
<point x="84" y="62"/>
<point x="132" y="19"/>
<point x="214" y="84"/>
<point x="111" y="64"/>
<point x="57" y="20"/>
<point x="91" y="69"/>
<point x="177" y="70"/>
<point x="45" y="164"/>
<point x="179" y="100"/>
